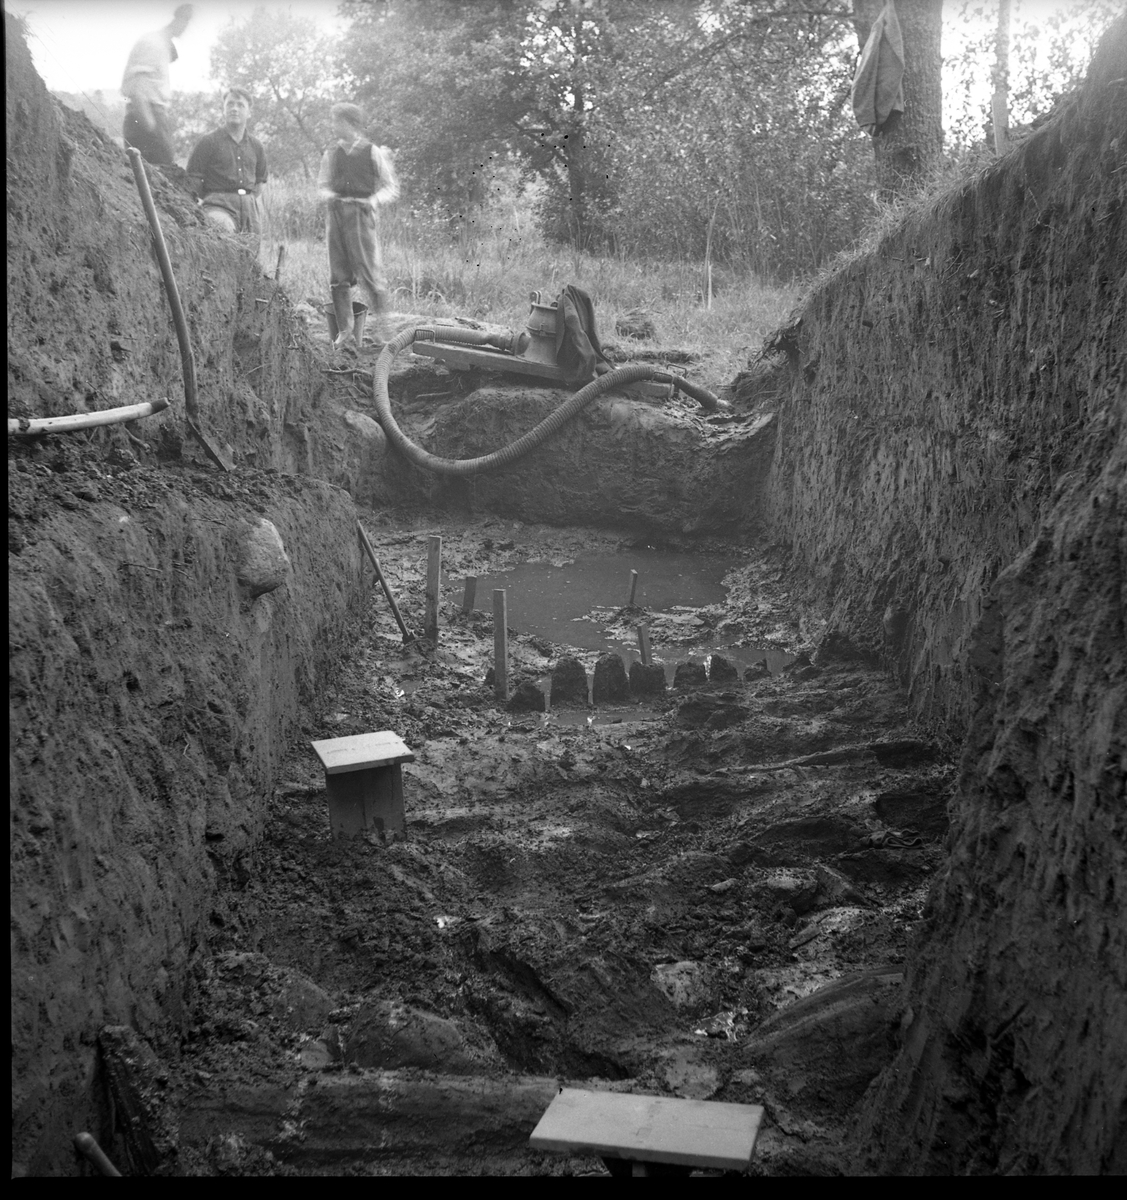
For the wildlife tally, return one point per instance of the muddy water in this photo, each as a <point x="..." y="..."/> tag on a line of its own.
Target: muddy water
<point x="562" y="601"/>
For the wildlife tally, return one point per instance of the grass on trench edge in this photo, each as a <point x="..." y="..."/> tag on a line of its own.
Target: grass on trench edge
<point x="489" y="271"/>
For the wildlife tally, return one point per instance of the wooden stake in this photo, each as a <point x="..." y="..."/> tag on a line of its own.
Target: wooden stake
<point x="644" y="644"/>
<point x="434" y="575"/>
<point x="281" y="260"/>
<point x="383" y="582"/>
<point x="469" y="595"/>
<point x="500" y="645"/>
<point x="633" y="588"/>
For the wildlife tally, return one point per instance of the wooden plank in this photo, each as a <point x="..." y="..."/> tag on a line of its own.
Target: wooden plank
<point x="698" y="1133"/>
<point x="361" y="751"/>
<point x="461" y="358"/>
<point x="500" y="645"/>
<point x="367" y="800"/>
<point x="434" y="583"/>
<point x="644" y="645"/>
<point x="137" y="1085"/>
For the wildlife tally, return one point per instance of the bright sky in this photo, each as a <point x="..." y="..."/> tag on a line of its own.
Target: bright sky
<point x="82" y="45"/>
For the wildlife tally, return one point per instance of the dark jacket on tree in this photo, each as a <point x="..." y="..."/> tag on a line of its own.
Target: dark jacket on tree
<point x="878" y="90"/>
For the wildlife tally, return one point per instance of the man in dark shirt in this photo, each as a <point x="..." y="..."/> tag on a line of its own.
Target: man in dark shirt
<point x="228" y="168"/>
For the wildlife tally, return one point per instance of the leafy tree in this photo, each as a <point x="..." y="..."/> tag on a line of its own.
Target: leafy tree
<point x="440" y="81"/>
<point x="287" y="65"/>
<point x="1050" y="49"/>
<point x="908" y="151"/>
<point x="193" y="115"/>
<point x="734" y="131"/>
<point x="648" y="123"/>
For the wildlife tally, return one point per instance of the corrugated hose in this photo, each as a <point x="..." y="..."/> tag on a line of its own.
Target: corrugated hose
<point x="525" y="444"/>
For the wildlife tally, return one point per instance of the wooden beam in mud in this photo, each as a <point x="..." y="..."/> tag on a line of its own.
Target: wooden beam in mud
<point x="644" y="645"/>
<point x="500" y="645"/>
<point x="434" y="582"/>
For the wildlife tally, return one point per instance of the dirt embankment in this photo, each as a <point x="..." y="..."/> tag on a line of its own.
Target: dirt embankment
<point x="89" y="325"/>
<point x="152" y="687"/>
<point x="950" y="474"/>
<point x="952" y="403"/>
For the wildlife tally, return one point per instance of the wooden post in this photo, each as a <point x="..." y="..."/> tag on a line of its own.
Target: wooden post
<point x="633" y="588"/>
<point x="469" y="595"/>
<point x="644" y="644"/>
<point x="281" y="260"/>
<point x="434" y="576"/>
<point x="500" y="645"/>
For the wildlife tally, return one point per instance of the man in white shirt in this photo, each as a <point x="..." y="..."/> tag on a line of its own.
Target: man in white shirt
<point x="148" y="90"/>
<point x="355" y="177"/>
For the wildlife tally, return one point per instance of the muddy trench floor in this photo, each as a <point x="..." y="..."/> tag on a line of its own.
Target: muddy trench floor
<point x="633" y="902"/>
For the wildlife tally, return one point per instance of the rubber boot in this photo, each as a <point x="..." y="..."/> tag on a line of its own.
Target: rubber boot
<point x="342" y="307"/>
<point x="381" y="305"/>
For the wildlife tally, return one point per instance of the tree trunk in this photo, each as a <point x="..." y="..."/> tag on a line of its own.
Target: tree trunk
<point x="908" y="149"/>
<point x="1000" y="101"/>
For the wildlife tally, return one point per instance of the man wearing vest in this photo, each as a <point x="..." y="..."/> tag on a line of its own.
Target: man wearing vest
<point x="355" y="177"/>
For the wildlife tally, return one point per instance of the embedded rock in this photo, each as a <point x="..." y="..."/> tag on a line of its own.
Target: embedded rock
<point x="264" y="564"/>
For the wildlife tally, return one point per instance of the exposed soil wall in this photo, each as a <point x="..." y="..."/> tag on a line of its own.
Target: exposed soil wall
<point x="660" y="467"/>
<point x="950" y="474"/>
<point x="941" y="387"/>
<point x="89" y="325"/>
<point x="152" y="689"/>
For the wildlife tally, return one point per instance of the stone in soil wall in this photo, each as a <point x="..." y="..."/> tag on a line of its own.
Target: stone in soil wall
<point x="152" y="696"/>
<point x="950" y="472"/>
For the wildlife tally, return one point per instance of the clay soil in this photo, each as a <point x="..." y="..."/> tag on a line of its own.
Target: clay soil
<point x="645" y="899"/>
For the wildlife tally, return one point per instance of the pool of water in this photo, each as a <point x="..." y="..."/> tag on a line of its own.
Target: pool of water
<point x="554" y="602"/>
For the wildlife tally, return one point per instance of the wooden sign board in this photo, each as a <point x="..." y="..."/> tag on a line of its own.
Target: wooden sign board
<point x="655" y="1129"/>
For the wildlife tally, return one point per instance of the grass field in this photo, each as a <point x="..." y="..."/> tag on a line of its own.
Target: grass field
<point x="488" y="266"/>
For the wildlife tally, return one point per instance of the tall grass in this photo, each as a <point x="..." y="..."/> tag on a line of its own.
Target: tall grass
<point x="486" y="265"/>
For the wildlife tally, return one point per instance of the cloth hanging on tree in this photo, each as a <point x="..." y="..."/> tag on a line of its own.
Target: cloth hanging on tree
<point x="878" y="84"/>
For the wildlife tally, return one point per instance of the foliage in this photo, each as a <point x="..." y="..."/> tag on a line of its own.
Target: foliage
<point x="488" y="275"/>
<point x="286" y="65"/>
<point x="194" y="114"/>
<point x="1050" y="48"/>
<point x="673" y="129"/>
<point x="634" y="117"/>
<point x="746" y="135"/>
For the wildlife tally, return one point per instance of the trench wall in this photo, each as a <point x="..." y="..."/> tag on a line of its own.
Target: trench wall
<point x="89" y="326"/>
<point x="649" y="467"/>
<point x="151" y="695"/>
<point x="949" y="474"/>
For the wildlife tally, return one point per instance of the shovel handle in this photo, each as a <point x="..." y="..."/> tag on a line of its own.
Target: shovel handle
<point x="85" y="1144"/>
